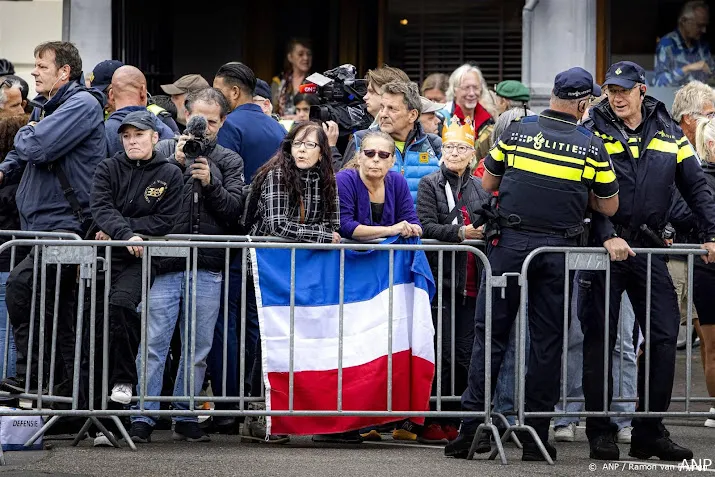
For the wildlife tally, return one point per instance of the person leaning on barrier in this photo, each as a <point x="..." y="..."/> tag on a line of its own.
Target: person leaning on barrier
<point x="58" y="152"/>
<point x="651" y="157"/>
<point x="548" y="170"/>
<point x="448" y="202"/>
<point x="134" y="193"/>
<point x="212" y="202"/>
<point x="375" y="202"/>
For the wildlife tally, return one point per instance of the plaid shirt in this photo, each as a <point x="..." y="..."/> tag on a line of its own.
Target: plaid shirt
<point x="279" y="217"/>
<point x="672" y="54"/>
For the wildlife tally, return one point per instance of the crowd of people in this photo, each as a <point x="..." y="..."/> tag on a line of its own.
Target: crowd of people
<point x="101" y="157"/>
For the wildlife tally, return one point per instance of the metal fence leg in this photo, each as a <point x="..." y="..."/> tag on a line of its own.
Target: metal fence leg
<point x="513" y="435"/>
<point x="495" y="433"/>
<point x="104" y="431"/>
<point x="124" y="433"/>
<point x="42" y="430"/>
<point x="82" y="432"/>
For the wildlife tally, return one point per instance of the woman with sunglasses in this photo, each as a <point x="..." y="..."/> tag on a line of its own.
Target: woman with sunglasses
<point x="374" y="201"/>
<point x="447" y="202"/>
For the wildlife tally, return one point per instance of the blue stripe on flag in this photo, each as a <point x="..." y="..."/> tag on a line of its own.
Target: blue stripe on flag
<point x="317" y="274"/>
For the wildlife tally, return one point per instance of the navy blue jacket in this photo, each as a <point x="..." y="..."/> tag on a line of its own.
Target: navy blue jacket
<point x="254" y="135"/>
<point x="71" y="134"/>
<point x="665" y="160"/>
<point x="111" y="129"/>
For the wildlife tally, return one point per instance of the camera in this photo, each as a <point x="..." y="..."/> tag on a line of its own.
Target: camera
<point x="341" y="99"/>
<point x="198" y="144"/>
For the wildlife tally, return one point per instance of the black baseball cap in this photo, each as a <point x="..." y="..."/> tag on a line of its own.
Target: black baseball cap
<point x="625" y="74"/>
<point x="575" y="83"/>
<point x="262" y="89"/>
<point x="101" y="76"/>
<point x="143" y="120"/>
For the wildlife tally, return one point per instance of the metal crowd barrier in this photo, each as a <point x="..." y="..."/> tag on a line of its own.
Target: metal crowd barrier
<point x="595" y="259"/>
<point x="88" y="256"/>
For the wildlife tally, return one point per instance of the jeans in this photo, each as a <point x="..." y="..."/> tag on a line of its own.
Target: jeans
<point x="504" y="393"/>
<point x="165" y="308"/>
<point x="233" y="338"/>
<point x="574" y="377"/>
<point x="4" y="324"/>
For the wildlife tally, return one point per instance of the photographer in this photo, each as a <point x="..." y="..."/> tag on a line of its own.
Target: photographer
<point x="213" y="181"/>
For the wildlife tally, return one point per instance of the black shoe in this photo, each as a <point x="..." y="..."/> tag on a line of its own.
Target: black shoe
<point x="459" y="448"/>
<point x="533" y="454"/>
<point x="140" y="432"/>
<point x="603" y="447"/>
<point x="662" y="448"/>
<point x="16" y="385"/>
<point x="351" y="437"/>
<point x="484" y="442"/>
<point x="189" y="431"/>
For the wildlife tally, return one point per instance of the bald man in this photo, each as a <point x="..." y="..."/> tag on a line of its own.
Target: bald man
<point x="128" y="93"/>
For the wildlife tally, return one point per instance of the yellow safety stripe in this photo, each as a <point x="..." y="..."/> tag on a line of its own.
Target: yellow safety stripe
<point x="685" y="152"/>
<point x="682" y="140"/>
<point x="635" y="151"/>
<point x="594" y="163"/>
<point x="507" y="147"/>
<point x="589" y="172"/>
<point x="605" y="177"/>
<point x="549" y="155"/>
<point x="603" y="136"/>
<point x="663" y="146"/>
<point x="546" y="169"/>
<point x="497" y="154"/>
<point x="510" y="160"/>
<point x="613" y="147"/>
<point x="632" y="140"/>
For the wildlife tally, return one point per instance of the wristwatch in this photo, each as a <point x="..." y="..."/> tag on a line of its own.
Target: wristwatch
<point x="612" y="236"/>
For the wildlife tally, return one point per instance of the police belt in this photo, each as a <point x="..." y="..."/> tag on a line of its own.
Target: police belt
<point x="515" y="222"/>
<point x="639" y="237"/>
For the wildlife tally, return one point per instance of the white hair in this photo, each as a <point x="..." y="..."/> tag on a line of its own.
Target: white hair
<point x="13" y="84"/>
<point x="456" y="79"/>
<point x="704" y="132"/>
<point x="691" y="98"/>
<point x="688" y="10"/>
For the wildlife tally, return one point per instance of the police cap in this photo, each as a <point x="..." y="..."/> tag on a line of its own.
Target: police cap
<point x="625" y="74"/>
<point x="575" y="83"/>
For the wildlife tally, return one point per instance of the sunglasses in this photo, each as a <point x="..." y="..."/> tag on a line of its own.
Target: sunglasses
<point x="381" y="154"/>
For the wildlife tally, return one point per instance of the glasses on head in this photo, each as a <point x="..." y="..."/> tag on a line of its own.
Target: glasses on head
<point x="307" y="144"/>
<point x="381" y="154"/>
<point x="461" y="149"/>
<point x="6" y="82"/>
<point x="709" y="115"/>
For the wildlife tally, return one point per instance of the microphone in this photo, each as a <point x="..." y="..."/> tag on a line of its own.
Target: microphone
<point x="196" y="126"/>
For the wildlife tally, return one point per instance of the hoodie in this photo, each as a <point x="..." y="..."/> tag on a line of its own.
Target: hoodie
<point x="136" y="197"/>
<point x="111" y="129"/>
<point x="70" y="133"/>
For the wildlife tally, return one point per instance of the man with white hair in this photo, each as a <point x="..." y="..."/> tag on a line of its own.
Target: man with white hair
<point x="10" y="97"/>
<point x="683" y="55"/>
<point x="466" y="87"/>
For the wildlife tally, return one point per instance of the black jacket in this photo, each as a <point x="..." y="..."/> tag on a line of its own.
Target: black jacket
<point x="433" y="212"/>
<point x="219" y="207"/>
<point x="136" y="197"/>
<point x="647" y="184"/>
<point x="9" y="220"/>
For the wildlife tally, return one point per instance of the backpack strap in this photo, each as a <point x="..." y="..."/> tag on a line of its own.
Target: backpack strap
<point x="68" y="191"/>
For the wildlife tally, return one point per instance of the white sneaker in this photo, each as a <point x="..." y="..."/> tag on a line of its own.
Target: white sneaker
<point x="624" y="435"/>
<point x="681" y="341"/>
<point x="102" y="441"/>
<point x="565" y="433"/>
<point x="121" y="393"/>
<point x="710" y="422"/>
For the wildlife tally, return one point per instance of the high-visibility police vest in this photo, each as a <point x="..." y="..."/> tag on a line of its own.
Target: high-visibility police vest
<point x="547" y="172"/>
<point x="157" y="110"/>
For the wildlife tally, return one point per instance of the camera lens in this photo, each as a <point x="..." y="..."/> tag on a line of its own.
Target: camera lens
<point x="192" y="148"/>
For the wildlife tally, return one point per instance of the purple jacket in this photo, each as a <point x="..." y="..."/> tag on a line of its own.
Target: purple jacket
<point x="355" y="202"/>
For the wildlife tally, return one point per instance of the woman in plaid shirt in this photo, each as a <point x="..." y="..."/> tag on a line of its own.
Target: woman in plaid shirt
<point x="298" y="194"/>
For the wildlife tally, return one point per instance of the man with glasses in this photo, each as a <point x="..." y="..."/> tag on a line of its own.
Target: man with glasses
<point x="651" y="157"/>
<point x="682" y="55"/>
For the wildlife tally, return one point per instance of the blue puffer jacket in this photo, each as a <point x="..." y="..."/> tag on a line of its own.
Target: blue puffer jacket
<point x="70" y="133"/>
<point x="422" y="154"/>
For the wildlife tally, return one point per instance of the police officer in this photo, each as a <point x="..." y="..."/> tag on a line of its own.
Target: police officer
<point x="651" y="156"/>
<point x="548" y="170"/>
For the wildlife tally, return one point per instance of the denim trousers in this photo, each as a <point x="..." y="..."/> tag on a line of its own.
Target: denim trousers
<point x="628" y="374"/>
<point x="165" y="300"/>
<point x="5" y="329"/>
<point x="503" y="400"/>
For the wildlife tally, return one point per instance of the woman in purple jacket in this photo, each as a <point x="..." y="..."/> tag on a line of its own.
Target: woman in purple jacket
<point x="374" y="201"/>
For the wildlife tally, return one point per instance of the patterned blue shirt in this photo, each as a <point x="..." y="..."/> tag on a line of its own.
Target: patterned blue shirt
<point x="672" y="55"/>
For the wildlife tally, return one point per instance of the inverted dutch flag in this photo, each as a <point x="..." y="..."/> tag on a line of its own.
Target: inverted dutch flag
<point x="365" y="335"/>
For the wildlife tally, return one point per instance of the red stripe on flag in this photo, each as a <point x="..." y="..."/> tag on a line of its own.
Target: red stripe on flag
<point x="364" y="389"/>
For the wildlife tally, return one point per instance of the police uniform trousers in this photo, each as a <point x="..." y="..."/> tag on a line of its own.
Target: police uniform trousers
<point x="546" y="324"/>
<point x="629" y="276"/>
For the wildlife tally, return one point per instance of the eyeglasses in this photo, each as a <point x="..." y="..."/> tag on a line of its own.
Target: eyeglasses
<point x="381" y="154"/>
<point x="709" y="115"/>
<point x="307" y="144"/>
<point x="462" y="149"/>
<point x="470" y="89"/>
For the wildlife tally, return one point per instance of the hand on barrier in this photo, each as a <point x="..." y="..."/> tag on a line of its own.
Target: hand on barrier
<point x="710" y="257"/>
<point x="470" y="233"/>
<point x="406" y="229"/>
<point x="136" y="251"/>
<point x="200" y="170"/>
<point x="101" y="236"/>
<point x="619" y="249"/>
<point x="336" y="237"/>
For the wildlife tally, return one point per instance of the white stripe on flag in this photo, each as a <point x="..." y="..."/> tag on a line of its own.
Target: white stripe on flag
<point x="365" y="331"/>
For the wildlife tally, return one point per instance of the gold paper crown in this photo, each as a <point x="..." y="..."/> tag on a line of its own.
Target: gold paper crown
<point x="458" y="132"/>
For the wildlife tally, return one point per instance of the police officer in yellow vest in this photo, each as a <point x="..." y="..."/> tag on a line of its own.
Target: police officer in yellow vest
<point x="548" y="170"/>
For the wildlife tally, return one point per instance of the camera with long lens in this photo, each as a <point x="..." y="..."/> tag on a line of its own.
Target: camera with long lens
<point x="341" y="99"/>
<point x="198" y="144"/>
